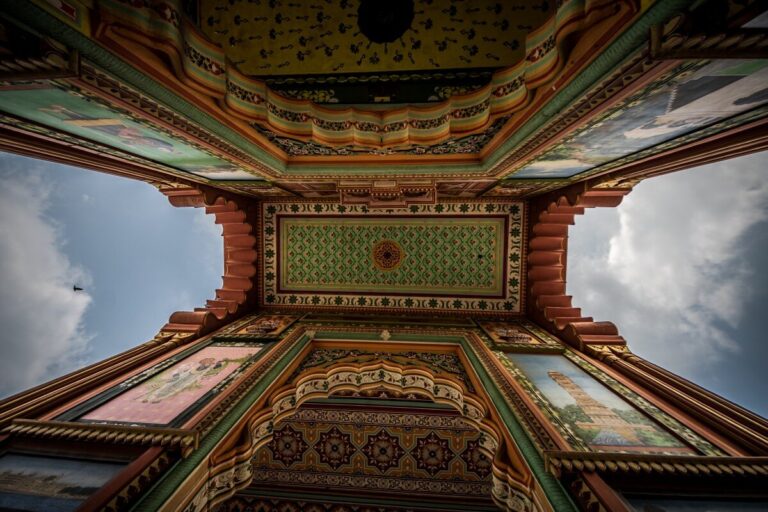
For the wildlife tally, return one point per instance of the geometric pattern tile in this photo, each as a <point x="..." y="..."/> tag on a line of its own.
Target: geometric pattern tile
<point x="287" y="445"/>
<point x="334" y="448"/>
<point x="432" y="454"/>
<point x="383" y="451"/>
<point x="457" y="257"/>
<point x="477" y="461"/>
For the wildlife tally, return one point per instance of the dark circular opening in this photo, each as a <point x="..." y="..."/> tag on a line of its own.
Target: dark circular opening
<point x="387" y="255"/>
<point x="287" y="446"/>
<point x="382" y="451"/>
<point x="384" y="22"/>
<point x="335" y="448"/>
<point x="432" y="453"/>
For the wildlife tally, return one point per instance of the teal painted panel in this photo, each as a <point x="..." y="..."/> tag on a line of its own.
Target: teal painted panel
<point x="662" y="111"/>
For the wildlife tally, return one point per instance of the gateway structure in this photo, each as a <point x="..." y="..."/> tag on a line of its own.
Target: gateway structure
<point x="394" y="182"/>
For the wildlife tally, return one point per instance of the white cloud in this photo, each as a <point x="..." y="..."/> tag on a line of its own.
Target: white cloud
<point x="668" y="266"/>
<point x="42" y="317"/>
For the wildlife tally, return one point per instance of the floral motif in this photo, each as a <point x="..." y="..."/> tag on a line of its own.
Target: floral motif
<point x="287" y="445"/>
<point x="432" y="454"/>
<point x="383" y="451"/>
<point x="477" y="461"/>
<point x="334" y="448"/>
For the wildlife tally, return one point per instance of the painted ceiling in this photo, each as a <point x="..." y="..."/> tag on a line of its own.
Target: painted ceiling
<point x="145" y="86"/>
<point x="458" y="257"/>
<point x="368" y="36"/>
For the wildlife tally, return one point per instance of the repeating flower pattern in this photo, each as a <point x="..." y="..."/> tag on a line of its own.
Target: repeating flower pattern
<point x="287" y="445"/>
<point x="335" y="448"/>
<point x="476" y="460"/>
<point x="432" y="454"/>
<point x="383" y="451"/>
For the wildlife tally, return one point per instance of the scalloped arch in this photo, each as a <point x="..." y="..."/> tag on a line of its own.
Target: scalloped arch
<point x="234" y="473"/>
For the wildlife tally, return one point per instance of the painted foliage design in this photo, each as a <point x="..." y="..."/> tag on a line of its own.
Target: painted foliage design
<point x="421" y="282"/>
<point x="50" y="484"/>
<point x="672" y="106"/>
<point x="163" y="396"/>
<point x="596" y="415"/>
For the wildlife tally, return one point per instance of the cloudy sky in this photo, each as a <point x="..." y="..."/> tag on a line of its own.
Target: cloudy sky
<point x="679" y="267"/>
<point x="137" y="258"/>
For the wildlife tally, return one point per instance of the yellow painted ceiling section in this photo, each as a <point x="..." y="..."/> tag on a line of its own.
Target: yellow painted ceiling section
<point x="301" y="37"/>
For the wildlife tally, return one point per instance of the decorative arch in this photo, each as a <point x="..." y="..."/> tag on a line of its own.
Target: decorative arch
<point x="237" y="294"/>
<point x="547" y="258"/>
<point x="231" y="471"/>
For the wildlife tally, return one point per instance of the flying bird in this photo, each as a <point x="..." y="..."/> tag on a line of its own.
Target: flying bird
<point x="76" y="288"/>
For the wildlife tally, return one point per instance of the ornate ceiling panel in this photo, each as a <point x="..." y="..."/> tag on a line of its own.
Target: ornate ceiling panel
<point x="368" y="36"/>
<point x="457" y="257"/>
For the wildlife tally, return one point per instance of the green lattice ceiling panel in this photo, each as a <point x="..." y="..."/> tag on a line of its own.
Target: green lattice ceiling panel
<point x="441" y="256"/>
<point x="458" y="256"/>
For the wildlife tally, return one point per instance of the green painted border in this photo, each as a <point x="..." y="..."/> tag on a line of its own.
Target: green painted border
<point x="163" y="489"/>
<point x="628" y="42"/>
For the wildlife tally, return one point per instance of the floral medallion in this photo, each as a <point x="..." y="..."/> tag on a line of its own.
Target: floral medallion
<point x="477" y="461"/>
<point x="387" y="255"/>
<point x="334" y="448"/>
<point x="287" y="445"/>
<point x="432" y="454"/>
<point x="383" y="451"/>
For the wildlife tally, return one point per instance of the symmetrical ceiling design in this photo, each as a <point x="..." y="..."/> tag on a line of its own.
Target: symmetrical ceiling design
<point x="458" y="257"/>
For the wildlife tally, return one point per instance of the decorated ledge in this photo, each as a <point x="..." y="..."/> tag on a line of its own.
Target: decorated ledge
<point x="235" y="295"/>
<point x="565" y="462"/>
<point x="176" y="439"/>
<point x="202" y="65"/>
<point x="546" y="270"/>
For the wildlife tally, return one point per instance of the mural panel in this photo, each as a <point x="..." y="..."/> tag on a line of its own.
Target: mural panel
<point x="50" y="484"/>
<point x="595" y="414"/>
<point x="164" y="392"/>
<point x="670" y="107"/>
<point x="71" y="112"/>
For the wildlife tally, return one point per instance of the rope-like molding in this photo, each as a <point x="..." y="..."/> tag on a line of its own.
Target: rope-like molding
<point x="238" y="291"/>
<point x="546" y="270"/>
<point x="175" y="439"/>
<point x="560" y="462"/>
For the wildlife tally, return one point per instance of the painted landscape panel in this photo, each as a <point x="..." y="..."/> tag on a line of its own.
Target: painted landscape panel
<point x="593" y="412"/>
<point x="50" y="484"/>
<point x="72" y="113"/>
<point x="163" y="397"/>
<point x="661" y="112"/>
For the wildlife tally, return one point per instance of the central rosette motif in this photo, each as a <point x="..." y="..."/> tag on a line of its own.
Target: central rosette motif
<point x="387" y="255"/>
